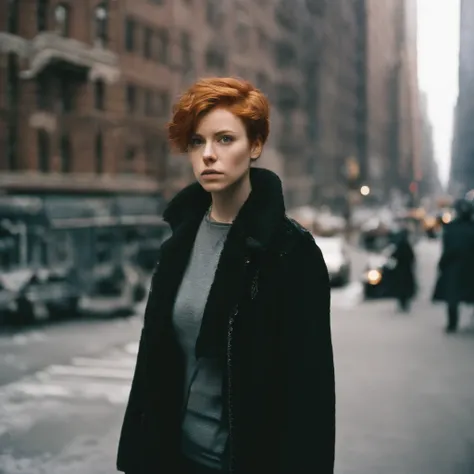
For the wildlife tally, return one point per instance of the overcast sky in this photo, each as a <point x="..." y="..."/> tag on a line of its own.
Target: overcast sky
<point x="438" y="47"/>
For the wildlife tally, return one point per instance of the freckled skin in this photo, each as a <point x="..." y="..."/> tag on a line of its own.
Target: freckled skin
<point x="220" y="143"/>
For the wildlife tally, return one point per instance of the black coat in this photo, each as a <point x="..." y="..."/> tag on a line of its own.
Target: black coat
<point x="456" y="265"/>
<point x="404" y="280"/>
<point x="267" y="317"/>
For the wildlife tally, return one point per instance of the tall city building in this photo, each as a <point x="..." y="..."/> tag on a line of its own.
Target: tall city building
<point x="462" y="159"/>
<point x="429" y="184"/>
<point x="339" y="78"/>
<point x="86" y="89"/>
<point x="392" y="152"/>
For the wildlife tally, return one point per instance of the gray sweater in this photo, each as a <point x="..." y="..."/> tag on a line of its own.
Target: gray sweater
<point x="203" y="432"/>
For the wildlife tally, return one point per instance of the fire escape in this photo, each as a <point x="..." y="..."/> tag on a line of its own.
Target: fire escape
<point x="59" y="65"/>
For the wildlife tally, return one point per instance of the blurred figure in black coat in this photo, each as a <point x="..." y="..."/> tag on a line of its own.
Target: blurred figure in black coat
<point x="404" y="272"/>
<point x="456" y="266"/>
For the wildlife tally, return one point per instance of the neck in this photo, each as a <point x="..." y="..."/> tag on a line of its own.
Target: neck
<point x="226" y="204"/>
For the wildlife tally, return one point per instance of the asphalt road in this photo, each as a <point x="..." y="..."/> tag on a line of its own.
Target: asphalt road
<point x="405" y="390"/>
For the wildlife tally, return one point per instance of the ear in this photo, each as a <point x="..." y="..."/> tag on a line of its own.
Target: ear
<point x="256" y="149"/>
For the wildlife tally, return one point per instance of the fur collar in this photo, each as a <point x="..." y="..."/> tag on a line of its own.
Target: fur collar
<point x="256" y="219"/>
<point x="250" y="238"/>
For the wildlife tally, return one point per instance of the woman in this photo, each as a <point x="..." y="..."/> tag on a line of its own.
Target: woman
<point x="404" y="280"/>
<point x="454" y="283"/>
<point x="235" y="367"/>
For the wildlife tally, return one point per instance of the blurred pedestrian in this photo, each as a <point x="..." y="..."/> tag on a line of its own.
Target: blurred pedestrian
<point x="235" y="367"/>
<point x="404" y="280"/>
<point x="456" y="266"/>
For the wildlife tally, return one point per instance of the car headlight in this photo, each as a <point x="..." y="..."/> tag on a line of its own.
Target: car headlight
<point x="374" y="277"/>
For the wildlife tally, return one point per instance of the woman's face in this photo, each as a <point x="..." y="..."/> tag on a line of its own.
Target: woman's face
<point x="220" y="151"/>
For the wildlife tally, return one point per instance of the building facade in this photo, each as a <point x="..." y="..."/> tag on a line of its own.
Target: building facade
<point x="87" y="87"/>
<point x="392" y="153"/>
<point x="86" y="95"/>
<point x="462" y="159"/>
<point x="429" y="184"/>
<point x="340" y="76"/>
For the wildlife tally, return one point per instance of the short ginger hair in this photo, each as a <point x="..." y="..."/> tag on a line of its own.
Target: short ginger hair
<point x="238" y="96"/>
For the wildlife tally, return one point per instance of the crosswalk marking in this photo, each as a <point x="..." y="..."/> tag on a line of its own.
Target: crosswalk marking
<point x="91" y="362"/>
<point x="105" y="378"/>
<point x="90" y="371"/>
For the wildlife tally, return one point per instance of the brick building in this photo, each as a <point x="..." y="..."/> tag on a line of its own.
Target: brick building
<point x="462" y="160"/>
<point x="88" y="87"/>
<point x="86" y="95"/>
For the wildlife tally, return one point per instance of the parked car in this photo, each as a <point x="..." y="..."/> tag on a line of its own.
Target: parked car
<point x="336" y="256"/>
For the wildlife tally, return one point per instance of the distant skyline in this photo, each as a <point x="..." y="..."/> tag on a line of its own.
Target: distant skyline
<point x="438" y="49"/>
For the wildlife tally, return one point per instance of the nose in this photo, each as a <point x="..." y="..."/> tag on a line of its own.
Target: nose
<point x="209" y="154"/>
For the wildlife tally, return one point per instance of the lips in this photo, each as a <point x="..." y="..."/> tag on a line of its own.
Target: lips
<point x="210" y="173"/>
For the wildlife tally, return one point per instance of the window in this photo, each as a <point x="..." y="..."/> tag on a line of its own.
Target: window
<point x="285" y="54"/>
<point x="12" y="81"/>
<point x="215" y="59"/>
<point x="130" y="27"/>
<point x="43" y="151"/>
<point x="263" y="40"/>
<point x="99" y="95"/>
<point x="148" y="103"/>
<point x="66" y="154"/>
<point x="160" y="165"/>
<point x="285" y="15"/>
<point x="214" y="12"/>
<point x="99" y="154"/>
<point x="43" y="92"/>
<point x="12" y="150"/>
<point x="131" y="98"/>
<point x="147" y="39"/>
<point x="187" y="60"/>
<point x="67" y="94"/>
<point x="162" y="46"/>
<point x="150" y="153"/>
<point x="130" y="154"/>
<point x="42" y="15"/>
<point x="243" y="37"/>
<point x="12" y="16"/>
<point x="101" y="17"/>
<point x="264" y="84"/>
<point x="163" y="105"/>
<point x="316" y="7"/>
<point x="287" y="97"/>
<point x="61" y="17"/>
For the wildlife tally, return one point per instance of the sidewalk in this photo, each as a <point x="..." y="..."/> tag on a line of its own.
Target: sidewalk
<point x="405" y="390"/>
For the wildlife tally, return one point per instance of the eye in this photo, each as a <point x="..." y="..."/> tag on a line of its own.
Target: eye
<point x="226" y="139"/>
<point x="195" y="141"/>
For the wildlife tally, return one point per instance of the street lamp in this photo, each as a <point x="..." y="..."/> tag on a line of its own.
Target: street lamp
<point x="365" y="190"/>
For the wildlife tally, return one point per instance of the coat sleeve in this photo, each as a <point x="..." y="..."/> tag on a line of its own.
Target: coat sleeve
<point x="308" y="421"/>
<point x="131" y="440"/>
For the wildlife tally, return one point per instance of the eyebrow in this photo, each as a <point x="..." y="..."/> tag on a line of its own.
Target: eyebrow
<point x="220" y="132"/>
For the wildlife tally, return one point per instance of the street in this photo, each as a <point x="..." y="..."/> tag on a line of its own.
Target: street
<point x="405" y="390"/>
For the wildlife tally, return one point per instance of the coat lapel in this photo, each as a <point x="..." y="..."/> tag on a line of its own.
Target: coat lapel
<point x="174" y="257"/>
<point x="225" y="292"/>
<point x="248" y="238"/>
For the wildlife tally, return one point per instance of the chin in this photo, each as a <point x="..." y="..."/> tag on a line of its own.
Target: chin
<point x="215" y="187"/>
